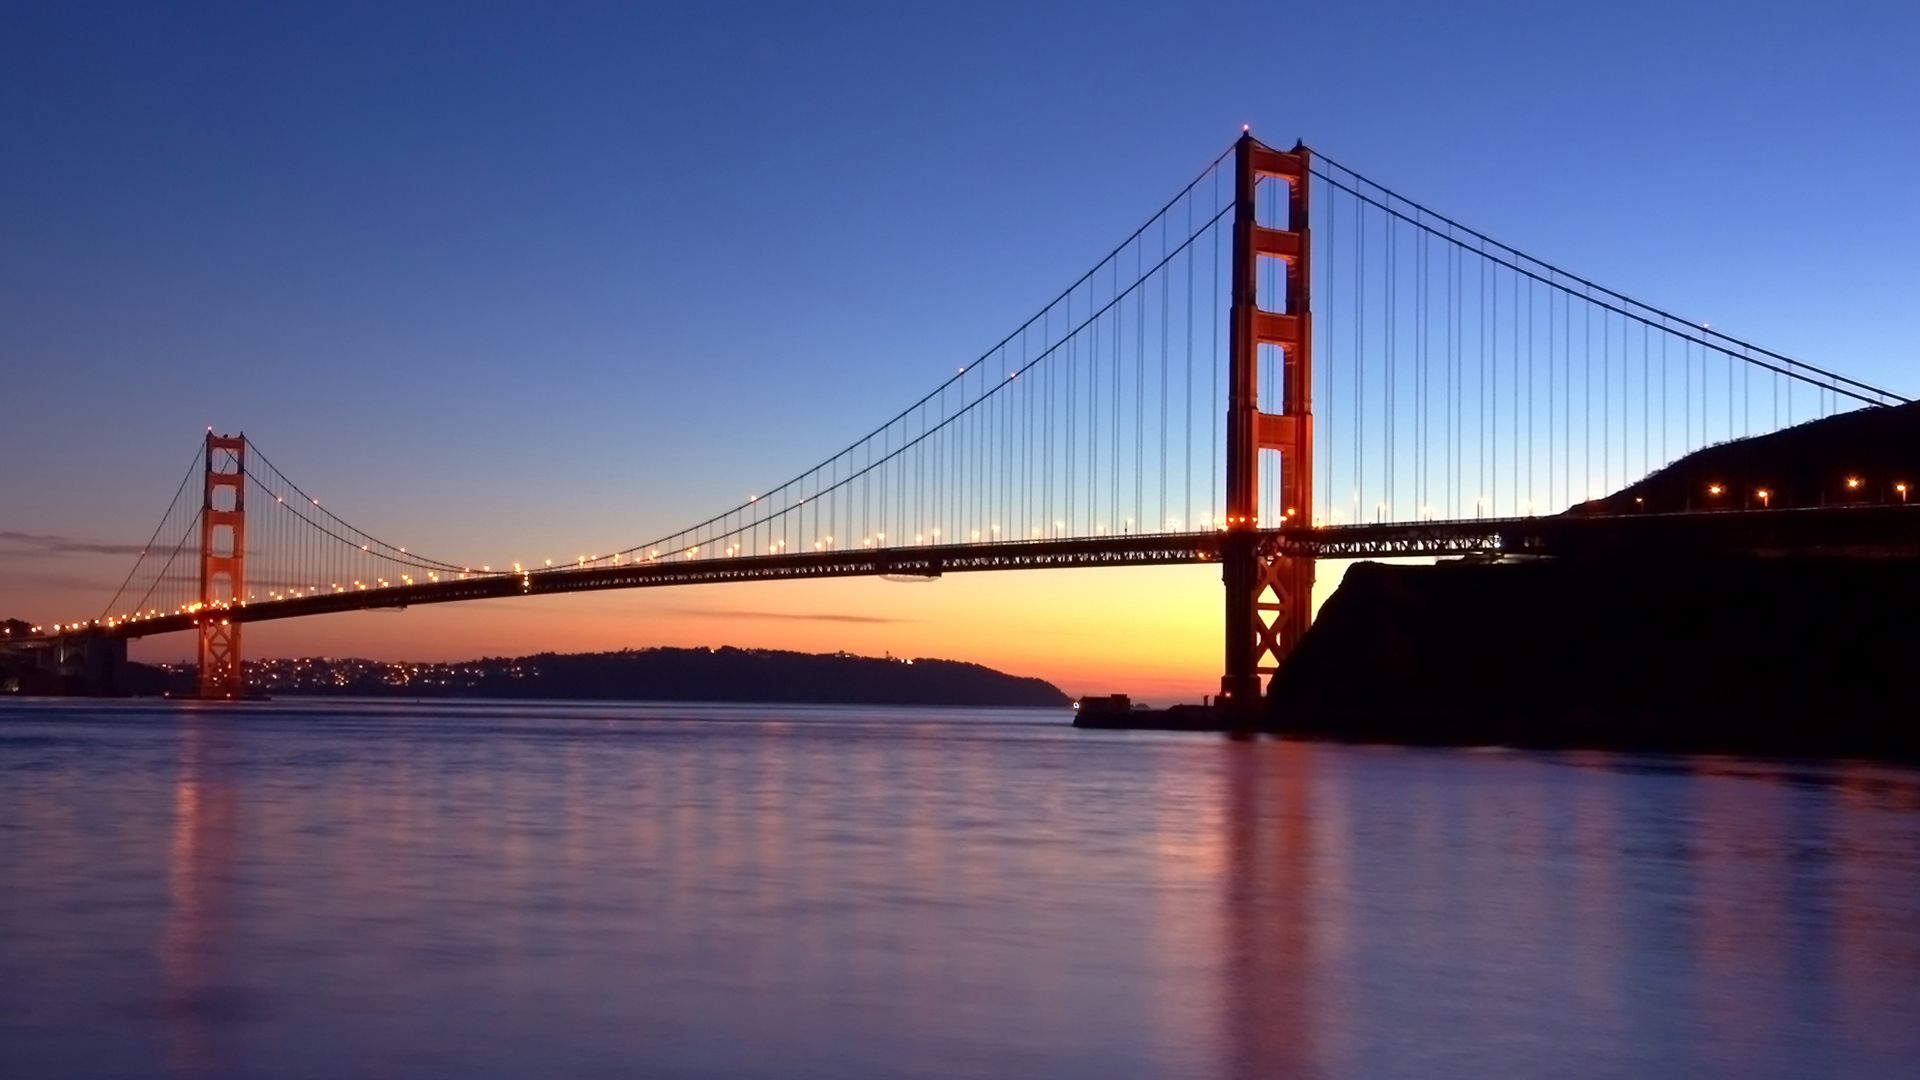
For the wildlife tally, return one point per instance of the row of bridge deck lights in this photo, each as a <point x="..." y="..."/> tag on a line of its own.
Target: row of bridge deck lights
<point x="775" y="548"/>
<point x="1765" y="495"/>
<point x="1714" y="490"/>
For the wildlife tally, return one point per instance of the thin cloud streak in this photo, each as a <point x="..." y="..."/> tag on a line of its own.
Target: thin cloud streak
<point x="48" y="544"/>
<point x="94" y="587"/>
<point x="793" y="616"/>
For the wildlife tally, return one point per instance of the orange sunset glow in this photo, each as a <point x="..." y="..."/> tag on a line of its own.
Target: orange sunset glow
<point x="1154" y="632"/>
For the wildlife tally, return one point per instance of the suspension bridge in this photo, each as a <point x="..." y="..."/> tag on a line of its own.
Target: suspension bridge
<point x="1287" y="362"/>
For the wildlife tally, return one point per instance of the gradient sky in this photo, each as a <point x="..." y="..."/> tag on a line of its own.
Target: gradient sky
<point x="506" y="281"/>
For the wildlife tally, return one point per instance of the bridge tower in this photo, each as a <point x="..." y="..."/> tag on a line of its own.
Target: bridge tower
<point x="223" y="556"/>
<point x="1269" y="595"/>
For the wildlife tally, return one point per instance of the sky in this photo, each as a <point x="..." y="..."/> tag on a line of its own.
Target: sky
<point x="497" y="278"/>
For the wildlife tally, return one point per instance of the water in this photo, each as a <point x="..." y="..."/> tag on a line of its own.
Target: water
<point x="489" y="890"/>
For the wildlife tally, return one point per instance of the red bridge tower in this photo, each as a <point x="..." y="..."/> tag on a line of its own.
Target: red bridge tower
<point x="223" y="559"/>
<point x="1269" y="595"/>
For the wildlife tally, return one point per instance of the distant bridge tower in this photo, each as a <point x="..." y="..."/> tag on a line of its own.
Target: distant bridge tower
<point x="223" y="557"/>
<point x="1269" y="596"/>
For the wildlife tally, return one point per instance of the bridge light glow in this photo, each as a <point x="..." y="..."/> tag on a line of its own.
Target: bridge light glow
<point x="1853" y="483"/>
<point x="1901" y="490"/>
<point x="1714" y="489"/>
<point x="1763" y="495"/>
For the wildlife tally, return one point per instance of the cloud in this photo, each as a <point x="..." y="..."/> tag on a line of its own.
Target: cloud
<point x="793" y="616"/>
<point x="42" y="544"/>
<point x="24" y="582"/>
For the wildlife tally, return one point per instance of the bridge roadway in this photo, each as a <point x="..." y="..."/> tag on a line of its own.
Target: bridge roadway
<point x="1853" y="530"/>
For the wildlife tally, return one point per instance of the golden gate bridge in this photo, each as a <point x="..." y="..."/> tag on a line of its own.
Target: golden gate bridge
<point x="1286" y="362"/>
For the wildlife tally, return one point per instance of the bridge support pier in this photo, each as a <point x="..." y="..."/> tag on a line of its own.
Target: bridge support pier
<point x="1269" y="604"/>
<point x="223" y="556"/>
<point x="1269" y="595"/>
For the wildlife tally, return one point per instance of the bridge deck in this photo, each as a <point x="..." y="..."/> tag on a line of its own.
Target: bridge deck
<point x="1877" y="530"/>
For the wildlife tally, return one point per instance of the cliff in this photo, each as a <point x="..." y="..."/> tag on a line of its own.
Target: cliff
<point x="1800" y="656"/>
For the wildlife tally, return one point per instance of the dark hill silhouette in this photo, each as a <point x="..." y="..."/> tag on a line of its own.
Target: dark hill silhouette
<point x="1805" y="465"/>
<point x="719" y="675"/>
<point x="1777" y="656"/>
<point x="1805" y="656"/>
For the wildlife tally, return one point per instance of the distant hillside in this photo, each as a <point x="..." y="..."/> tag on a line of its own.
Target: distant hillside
<point x="725" y="674"/>
<point x="1805" y="465"/>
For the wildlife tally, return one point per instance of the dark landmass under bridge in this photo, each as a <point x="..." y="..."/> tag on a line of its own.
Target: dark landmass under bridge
<point x="1804" y="654"/>
<point x="661" y="674"/>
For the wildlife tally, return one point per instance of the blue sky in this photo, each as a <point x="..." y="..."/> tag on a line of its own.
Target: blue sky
<point x="551" y="275"/>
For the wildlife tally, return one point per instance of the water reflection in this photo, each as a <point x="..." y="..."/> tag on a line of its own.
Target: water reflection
<point x="1268" y="1003"/>
<point x="194" y="1001"/>
<point x="478" y="890"/>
